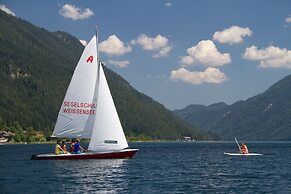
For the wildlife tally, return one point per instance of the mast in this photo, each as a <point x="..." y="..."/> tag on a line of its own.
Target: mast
<point x="97" y="47"/>
<point x="97" y="52"/>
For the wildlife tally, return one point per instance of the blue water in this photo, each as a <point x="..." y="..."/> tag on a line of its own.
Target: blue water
<point x="197" y="167"/>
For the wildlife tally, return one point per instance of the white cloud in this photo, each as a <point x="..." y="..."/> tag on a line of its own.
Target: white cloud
<point x="119" y="63"/>
<point x="269" y="57"/>
<point x="284" y="62"/>
<point x="168" y="4"/>
<point x="4" y="8"/>
<point x="83" y="42"/>
<point x="158" y="43"/>
<point x="253" y="53"/>
<point x="148" y="43"/>
<point x="288" y="19"/>
<point x="114" y="46"/>
<point x="232" y="35"/>
<point x="205" y="53"/>
<point x="210" y="75"/>
<point x="75" y="13"/>
<point x="164" y="52"/>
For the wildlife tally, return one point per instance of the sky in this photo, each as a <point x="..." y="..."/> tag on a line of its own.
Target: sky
<point x="179" y="52"/>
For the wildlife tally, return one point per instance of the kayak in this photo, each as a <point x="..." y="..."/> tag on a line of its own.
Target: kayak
<point x="238" y="154"/>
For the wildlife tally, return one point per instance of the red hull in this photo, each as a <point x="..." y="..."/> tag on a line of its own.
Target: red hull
<point x="128" y="153"/>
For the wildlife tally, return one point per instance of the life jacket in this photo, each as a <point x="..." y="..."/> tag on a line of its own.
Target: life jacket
<point x="72" y="148"/>
<point x="244" y="149"/>
<point x="64" y="147"/>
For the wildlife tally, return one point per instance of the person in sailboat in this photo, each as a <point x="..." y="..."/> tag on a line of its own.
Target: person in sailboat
<point x="64" y="147"/>
<point x="71" y="150"/>
<point x="77" y="147"/>
<point x="244" y="149"/>
<point x="58" y="148"/>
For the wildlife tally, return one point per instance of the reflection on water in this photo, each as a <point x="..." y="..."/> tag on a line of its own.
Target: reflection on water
<point x="104" y="176"/>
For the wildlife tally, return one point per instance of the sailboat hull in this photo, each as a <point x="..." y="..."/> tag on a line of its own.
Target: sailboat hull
<point x="126" y="153"/>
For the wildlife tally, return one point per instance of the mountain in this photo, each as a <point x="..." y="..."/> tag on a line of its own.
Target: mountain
<point x="35" y="69"/>
<point x="266" y="116"/>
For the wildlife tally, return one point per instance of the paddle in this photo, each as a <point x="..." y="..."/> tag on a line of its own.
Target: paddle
<point x="238" y="145"/>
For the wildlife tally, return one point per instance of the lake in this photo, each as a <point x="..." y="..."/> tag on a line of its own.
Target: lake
<point x="162" y="167"/>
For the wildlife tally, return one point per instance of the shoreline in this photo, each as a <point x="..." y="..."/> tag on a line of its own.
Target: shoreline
<point x="155" y="141"/>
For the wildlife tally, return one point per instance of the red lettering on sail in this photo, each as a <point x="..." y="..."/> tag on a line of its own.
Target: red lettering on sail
<point x="70" y="107"/>
<point x="90" y="59"/>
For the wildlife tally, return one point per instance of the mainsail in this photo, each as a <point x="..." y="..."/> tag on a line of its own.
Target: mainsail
<point x="77" y="112"/>
<point x="88" y="110"/>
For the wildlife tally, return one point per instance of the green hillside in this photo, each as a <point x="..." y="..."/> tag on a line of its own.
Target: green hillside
<point x="35" y="69"/>
<point x="266" y="116"/>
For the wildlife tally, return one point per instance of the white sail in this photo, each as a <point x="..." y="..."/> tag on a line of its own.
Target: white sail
<point x="77" y="114"/>
<point x="107" y="134"/>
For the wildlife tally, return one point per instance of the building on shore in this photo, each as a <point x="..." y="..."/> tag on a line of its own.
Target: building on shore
<point x="4" y="136"/>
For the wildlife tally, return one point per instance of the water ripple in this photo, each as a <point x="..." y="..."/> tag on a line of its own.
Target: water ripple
<point x="157" y="168"/>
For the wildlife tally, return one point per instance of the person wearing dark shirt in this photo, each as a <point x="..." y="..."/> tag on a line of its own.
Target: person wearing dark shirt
<point x="77" y="147"/>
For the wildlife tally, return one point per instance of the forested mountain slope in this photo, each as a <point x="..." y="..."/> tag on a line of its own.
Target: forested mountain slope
<point x="35" y="69"/>
<point x="266" y="116"/>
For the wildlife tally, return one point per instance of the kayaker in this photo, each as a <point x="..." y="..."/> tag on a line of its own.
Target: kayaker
<point x="77" y="148"/>
<point x="59" y="149"/>
<point x="244" y="149"/>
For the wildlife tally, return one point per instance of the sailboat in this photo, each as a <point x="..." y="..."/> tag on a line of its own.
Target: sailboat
<point x="88" y="111"/>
